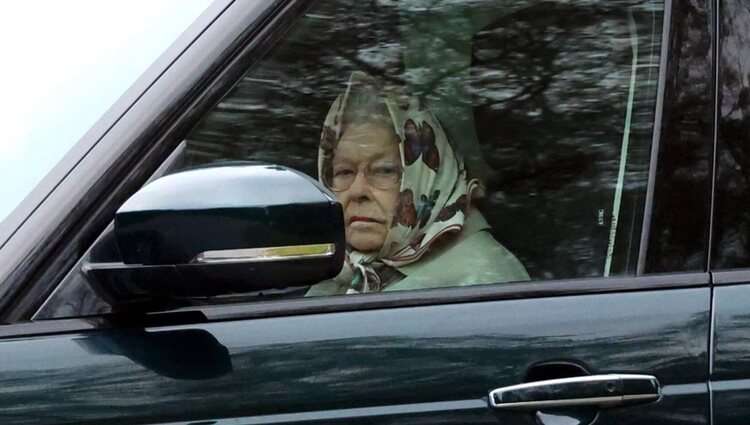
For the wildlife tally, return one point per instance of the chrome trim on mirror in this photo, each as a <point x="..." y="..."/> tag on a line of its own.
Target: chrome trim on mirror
<point x="275" y="253"/>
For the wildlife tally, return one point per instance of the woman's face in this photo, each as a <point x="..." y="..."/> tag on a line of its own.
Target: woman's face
<point x="368" y="210"/>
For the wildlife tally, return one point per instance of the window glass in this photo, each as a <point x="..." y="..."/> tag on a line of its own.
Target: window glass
<point x="469" y="142"/>
<point x="551" y="104"/>
<point x="731" y="239"/>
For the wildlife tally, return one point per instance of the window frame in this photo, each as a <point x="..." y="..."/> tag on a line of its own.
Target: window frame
<point x="240" y="38"/>
<point x="374" y="301"/>
<point x="670" y="144"/>
<point x="118" y="154"/>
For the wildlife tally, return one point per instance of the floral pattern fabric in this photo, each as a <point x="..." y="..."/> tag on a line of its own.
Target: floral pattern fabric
<point x="434" y="191"/>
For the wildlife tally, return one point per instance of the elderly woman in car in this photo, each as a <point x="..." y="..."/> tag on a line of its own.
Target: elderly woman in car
<point x="410" y="222"/>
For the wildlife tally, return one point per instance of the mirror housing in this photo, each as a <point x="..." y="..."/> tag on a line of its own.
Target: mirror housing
<point x="221" y="230"/>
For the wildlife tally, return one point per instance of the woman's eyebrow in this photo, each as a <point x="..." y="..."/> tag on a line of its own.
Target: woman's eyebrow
<point x="375" y="157"/>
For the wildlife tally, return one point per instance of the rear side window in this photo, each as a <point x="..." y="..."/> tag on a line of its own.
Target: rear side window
<point x="731" y="236"/>
<point x="542" y="113"/>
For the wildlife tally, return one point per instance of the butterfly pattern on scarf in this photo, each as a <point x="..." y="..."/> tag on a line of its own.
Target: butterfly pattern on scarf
<point x="406" y="213"/>
<point x="420" y="141"/>
<point x="419" y="134"/>
<point x="450" y="210"/>
<point x="425" y="208"/>
<point x="328" y="139"/>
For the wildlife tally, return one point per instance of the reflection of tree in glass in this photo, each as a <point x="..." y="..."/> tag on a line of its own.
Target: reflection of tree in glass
<point x="732" y="221"/>
<point x="551" y="86"/>
<point x="275" y="113"/>
<point x="678" y="238"/>
<point x="548" y="87"/>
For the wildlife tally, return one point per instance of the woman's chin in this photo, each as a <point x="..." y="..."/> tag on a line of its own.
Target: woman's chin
<point x="365" y="236"/>
<point x="365" y="244"/>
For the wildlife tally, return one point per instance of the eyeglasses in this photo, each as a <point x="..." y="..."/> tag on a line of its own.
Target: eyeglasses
<point x="379" y="175"/>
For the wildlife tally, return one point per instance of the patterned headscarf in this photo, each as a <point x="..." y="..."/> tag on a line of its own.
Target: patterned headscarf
<point x="434" y="192"/>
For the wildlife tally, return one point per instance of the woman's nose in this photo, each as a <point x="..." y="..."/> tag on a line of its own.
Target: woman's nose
<point x="360" y="186"/>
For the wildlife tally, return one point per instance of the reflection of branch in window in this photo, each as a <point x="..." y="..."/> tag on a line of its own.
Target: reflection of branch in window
<point x="376" y="72"/>
<point x="745" y="5"/>
<point x="541" y="36"/>
<point x="537" y="87"/>
<point x="733" y="140"/>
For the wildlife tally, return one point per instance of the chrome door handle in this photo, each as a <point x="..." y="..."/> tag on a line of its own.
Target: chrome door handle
<point x="595" y="390"/>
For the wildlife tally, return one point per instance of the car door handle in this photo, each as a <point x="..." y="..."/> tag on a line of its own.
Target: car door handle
<point x="600" y="391"/>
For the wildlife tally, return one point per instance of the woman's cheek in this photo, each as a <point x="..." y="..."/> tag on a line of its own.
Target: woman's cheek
<point x="342" y="200"/>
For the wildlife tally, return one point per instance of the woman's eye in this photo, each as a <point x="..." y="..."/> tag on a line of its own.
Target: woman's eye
<point x="385" y="170"/>
<point x="345" y="172"/>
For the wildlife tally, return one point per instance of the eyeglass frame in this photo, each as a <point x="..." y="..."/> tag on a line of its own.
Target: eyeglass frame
<point x="365" y="170"/>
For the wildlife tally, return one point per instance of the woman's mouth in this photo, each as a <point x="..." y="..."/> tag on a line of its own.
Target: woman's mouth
<point x="361" y="219"/>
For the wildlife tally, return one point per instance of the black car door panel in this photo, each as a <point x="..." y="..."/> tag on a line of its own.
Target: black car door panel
<point x="404" y="365"/>
<point x="730" y="387"/>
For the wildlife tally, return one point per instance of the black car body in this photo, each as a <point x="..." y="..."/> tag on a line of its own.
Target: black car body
<point x="668" y="312"/>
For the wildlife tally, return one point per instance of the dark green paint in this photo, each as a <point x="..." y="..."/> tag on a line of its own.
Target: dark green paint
<point x="731" y="361"/>
<point x="377" y="366"/>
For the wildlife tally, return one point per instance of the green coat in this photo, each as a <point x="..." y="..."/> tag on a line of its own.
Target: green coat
<point x="474" y="258"/>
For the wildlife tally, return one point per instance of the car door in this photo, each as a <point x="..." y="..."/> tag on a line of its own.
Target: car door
<point x="729" y="261"/>
<point x="381" y="363"/>
<point x="611" y="224"/>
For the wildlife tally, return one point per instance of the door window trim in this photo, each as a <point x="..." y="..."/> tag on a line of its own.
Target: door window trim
<point x="373" y="301"/>
<point x="42" y="251"/>
<point x="655" y="139"/>
<point x="219" y="84"/>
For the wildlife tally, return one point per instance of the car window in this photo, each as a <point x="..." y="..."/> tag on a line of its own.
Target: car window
<point x="551" y="104"/>
<point x="73" y="60"/>
<point x="731" y="238"/>
<point x="468" y="142"/>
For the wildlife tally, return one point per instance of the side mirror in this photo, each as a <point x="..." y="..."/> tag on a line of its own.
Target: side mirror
<point x="221" y="230"/>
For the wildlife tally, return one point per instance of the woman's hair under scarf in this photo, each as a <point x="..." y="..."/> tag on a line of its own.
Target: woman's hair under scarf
<point x="434" y="191"/>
